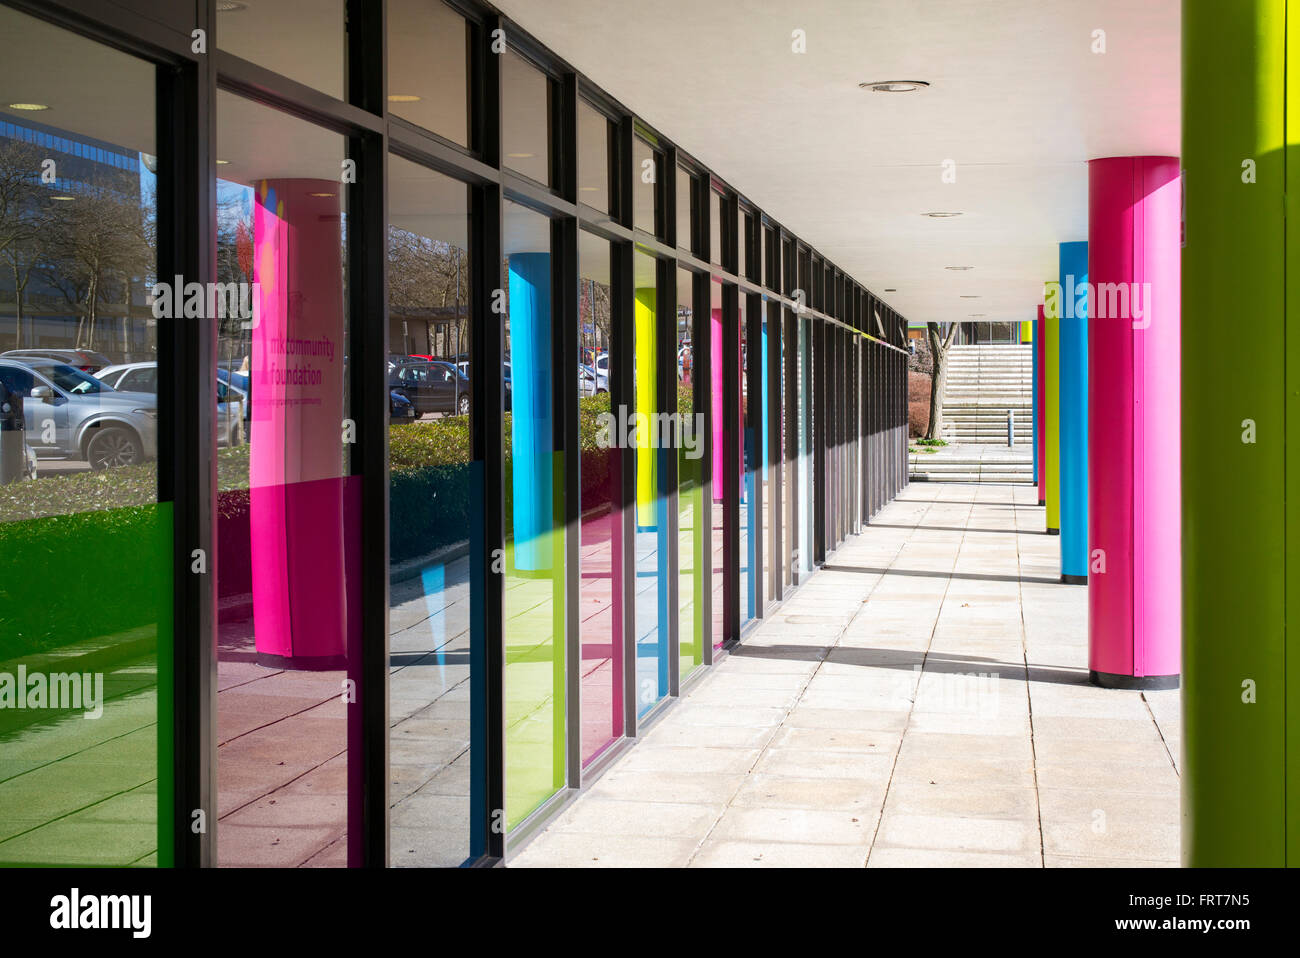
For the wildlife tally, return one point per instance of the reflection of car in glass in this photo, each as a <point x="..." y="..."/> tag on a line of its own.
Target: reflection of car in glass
<point x="463" y="366"/>
<point x="400" y="409"/>
<point x="232" y="402"/>
<point x="591" y="383"/>
<point x="87" y="360"/>
<point x="72" y="415"/>
<point x="431" y="386"/>
<point x="602" y="364"/>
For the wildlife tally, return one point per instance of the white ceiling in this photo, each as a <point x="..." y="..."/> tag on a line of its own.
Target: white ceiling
<point x="1018" y="101"/>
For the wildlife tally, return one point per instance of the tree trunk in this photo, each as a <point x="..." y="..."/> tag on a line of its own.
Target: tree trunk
<point x="938" y="375"/>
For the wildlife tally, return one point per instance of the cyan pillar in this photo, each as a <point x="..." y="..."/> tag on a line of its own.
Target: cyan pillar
<point x="1073" y="400"/>
<point x="1035" y="337"/>
<point x="1134" y="594"/>
<point x="1241" y="438"/>
<point x="531" y="432"/>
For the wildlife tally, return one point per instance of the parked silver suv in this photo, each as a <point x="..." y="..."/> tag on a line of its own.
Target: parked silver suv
<point x="72" y="415"/>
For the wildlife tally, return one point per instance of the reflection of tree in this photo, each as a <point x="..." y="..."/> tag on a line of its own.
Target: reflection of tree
<point x="22" y="210"/>
<point x="594" y="311"/>
<point x="91" y="244"/>
<point x="425" y="273"/>
<point x="234" y="263"/>
<point x="98" y="243"/>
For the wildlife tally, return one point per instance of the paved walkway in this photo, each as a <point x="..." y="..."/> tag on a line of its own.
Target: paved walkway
<point x="922" y="701"/>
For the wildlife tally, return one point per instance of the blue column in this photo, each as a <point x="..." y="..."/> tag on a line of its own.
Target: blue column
<point x="1034" y="413"/>
<point x="531" y="429"/>
<point x="1074" y="412"/>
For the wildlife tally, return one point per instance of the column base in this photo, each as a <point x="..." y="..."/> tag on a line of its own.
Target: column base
<point x="1074" y="579"/>
<point x="1110" y="680"/>
<point x="1053" y="532"/>
<point x="1042" y="502"/>
<point x="303" y="663"/>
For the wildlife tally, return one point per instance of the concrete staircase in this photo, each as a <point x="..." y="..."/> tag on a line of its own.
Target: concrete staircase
<point x="983" y="384"/>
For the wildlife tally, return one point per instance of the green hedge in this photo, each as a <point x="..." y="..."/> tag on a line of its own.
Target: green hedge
<point x="64" y="579"/>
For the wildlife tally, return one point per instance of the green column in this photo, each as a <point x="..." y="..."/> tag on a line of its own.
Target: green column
<point x="1240" y="373"/>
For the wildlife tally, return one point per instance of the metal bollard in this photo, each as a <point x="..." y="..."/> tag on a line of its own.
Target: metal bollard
<point x="1011" y="427"/>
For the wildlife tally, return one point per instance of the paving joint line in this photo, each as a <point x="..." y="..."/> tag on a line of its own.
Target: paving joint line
<point x="803" y="689"/>
<point x="884" y="801"/>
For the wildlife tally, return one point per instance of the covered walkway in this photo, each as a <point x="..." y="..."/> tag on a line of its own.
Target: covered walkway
<point x="923" y="700"/>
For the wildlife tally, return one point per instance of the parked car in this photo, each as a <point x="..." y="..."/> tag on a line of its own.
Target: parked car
<point x="431" y="386"/>
<point x="232" y="402"/>
<point x="590" y="382"/>
<point x="72" y="415"/>
<point x="87" y="360"/>
<point x="400" y="409"/>
<point x="463" y="367"/>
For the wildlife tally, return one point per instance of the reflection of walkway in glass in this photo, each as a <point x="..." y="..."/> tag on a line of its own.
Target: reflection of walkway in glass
<point x="922" y="700"/>
<point x="429" y="712"/>
<point x="601" y="701"/>
<point x="78" y="791"/>
<point x="281" y="757"/>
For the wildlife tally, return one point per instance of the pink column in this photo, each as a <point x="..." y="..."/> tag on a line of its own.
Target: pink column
<point x="1040" y="347"/>
<point x="715" y="393"/>
<point x="296" y="482"/>
<point x="1134" y="251"/>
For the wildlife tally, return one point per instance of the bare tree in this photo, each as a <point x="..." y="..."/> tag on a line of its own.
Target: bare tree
<point x="99" y="245"/>
<point x="22" y="240"/>
<point x="939" y="344"/>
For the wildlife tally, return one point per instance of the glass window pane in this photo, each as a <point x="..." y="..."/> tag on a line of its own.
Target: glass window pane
<point x="301" y="39"/>
<point x="715" y="227"/>
<point x="86" y="548"/>
<point x="287" y="579"/>
<point x="692" y="530"/>
<point x="526" y="95"/>
<point x="534" y="543"/>
<point x="771" y="335"/>
<point x="428" y="79"/>
<point x="645" y="185"/>
<point x="601" y="534"/>
<point x="651" y="547"/>
<point x="685" y="190"/>
<point x="718" y="421"/>
<point x="429" y="688"/>
<point x="742" y="238"/>
<point x="593" y="158"/>
<point x="749" y="472"/>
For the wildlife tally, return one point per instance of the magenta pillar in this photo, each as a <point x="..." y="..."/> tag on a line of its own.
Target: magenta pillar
<point x="1040" y="347"/>
<point x="1134" y="251"/>
<point x="298" y="500"/>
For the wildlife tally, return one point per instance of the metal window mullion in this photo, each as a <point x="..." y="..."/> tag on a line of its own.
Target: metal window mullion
<point x="185" y="117"/>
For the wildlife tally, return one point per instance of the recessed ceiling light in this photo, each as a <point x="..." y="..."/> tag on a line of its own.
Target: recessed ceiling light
<point x="32" y="107"/>
<point x="589" y="189"/>
<point x="977" y="314"/>
<point x="230" y="6"/>
<point x="223" y="162"/>
<point x="403" y="98"/>
<point x="320" y="194"/>
<point x="521" y="156"/>
<point x="895" y="86"/>
<point x="959" y="267"/>
<point x="891" y="291"/>
<point x="63" y="198"/>
<point x="940" y="216"/>
<point x="968" y="296"/>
